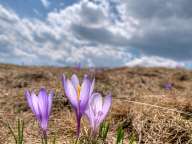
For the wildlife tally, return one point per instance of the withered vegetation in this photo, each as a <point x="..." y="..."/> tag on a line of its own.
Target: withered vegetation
<point x="141" y="104"/>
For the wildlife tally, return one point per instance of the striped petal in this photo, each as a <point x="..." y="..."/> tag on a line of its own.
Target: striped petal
<point x="35" y="103"/>
<point x="84" y="94"/>
<point x="75" y="81"/>
<point x="106" y="106"/>
<point x="50" y="99"/>
<point x="43" y="104"/>
<point x="63" y="80"/>
<point x="29" y="101"/>
<point x="71" y="93"/>
<point x="92" y="87"/>
<point x="97" y="103"/>
<point x="90" y="115"/>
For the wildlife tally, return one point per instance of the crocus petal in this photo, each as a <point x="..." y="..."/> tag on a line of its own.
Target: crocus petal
<point x="63" y="80"/>
<point x="97" y="103"/>
<point x="50" y="99"/>
<point x="75" y="81"/>
<point x="91" y="97"/>
<point x="35" y="103"/>
<point x="43" y="103"/>
<point x="92" y="87"/>
<point x="90" y="115"/>
<point x="44" y="123"/>
<point x="71" y="93"/>
<point x="84" y="94"/>
<point x="29" y="101"/>
<point x="106" y="106"/>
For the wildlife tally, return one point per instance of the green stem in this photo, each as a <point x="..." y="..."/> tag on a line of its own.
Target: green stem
<point x="77" y="139"/>
<point x="44" y="139"/>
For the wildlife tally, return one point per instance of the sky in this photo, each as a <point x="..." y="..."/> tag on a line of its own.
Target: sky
<point x="100" y="33"/>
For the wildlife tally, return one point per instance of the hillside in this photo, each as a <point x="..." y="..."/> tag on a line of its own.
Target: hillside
<point x="141" y="103"/>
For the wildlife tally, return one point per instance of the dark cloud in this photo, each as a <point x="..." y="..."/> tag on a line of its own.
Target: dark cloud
<point x="165" y="28"/>
<point x="99" y="35"/>
<point x="175" y="44"/>
<point x="5" y="48"/>
<point x="159" y="8"/>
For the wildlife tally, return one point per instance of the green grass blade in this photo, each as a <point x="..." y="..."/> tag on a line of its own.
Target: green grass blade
<point x="103" y="131"/>
<point x="132" y="139"/>
<point x="22" y="131"/>
<point x="12" y="133"/>
<point x="19" y="131"/>
<point x="120" y="136"/>
<point x="54" y="140"/>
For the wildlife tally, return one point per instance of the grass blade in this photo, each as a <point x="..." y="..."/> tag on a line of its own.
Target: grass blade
<point x="22" y="131"/>
<point x="120" y="136"/>
<point x="18" y="131"/>
<point x="103" y="131"/>
<point x="12" y="132"/>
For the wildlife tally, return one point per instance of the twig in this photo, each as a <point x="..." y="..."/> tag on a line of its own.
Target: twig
<point x="140" y="133"/>
<point x="156" y="106"/>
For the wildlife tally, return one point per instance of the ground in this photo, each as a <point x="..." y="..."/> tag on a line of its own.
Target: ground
<point x="141" y="104"/>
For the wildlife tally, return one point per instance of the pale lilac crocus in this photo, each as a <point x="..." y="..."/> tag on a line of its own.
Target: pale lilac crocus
<point x="78" y="67"/>
<point x="168" y="86"/>
<point x="40" y="106"/>
<point x="78" y="95"/>
<point x="97" y="110"/>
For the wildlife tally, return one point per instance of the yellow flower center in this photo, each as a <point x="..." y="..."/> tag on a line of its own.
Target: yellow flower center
<point x="78" y="92"/>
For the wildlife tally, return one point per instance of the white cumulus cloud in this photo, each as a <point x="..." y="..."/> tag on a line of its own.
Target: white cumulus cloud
<point x="154" y="61"/>
<point x="45" y="3"/>
<point x="97" y="32"/>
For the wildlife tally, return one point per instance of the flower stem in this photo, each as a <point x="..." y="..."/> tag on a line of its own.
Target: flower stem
<point x="77" y="139"/>
<point x="45" y="139"/>
<point x="78" y="126"/>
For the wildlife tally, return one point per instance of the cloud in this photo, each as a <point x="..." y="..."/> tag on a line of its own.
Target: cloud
<point x="164" y="28"/>
<point x="159" y="9"/>
<point x="45" y="3"/>
<point x="170" y="38"/>
<point x="101" y="33"/>
<point x="154" y="61"/>
<point x="54" y="41"/>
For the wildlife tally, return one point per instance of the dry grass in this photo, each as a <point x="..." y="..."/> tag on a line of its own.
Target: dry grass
<point x="140" y="103"/>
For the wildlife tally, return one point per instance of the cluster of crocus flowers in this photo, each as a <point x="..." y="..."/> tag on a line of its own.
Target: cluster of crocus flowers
<point x="40" y="106"/>
<point x="82" y="98"/>
<point x="84" y="101"/>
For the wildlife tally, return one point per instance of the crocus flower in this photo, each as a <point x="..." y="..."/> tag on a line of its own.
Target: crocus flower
<point x="78" y="67"/>
<point x="40" y="106"/>
<point x="78" y="95"/>
<point x="168" y="86"/>
<point x="97" y="110"/>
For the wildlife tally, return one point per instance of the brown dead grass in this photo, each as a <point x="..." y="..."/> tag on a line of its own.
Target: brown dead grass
<point x="140" y="103"/>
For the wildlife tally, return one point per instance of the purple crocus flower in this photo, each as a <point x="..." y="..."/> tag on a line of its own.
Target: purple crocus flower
<point x="78" y="95"/>
<point x="78" y="67"/>
<point x="40" y="106"/>
<point x="97" y="110"/>
<point x="168" y="86"/>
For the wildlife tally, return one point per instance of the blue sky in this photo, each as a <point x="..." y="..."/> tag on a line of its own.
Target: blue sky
<point x="96" y="32"/>
<point x="36" y="8"/>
